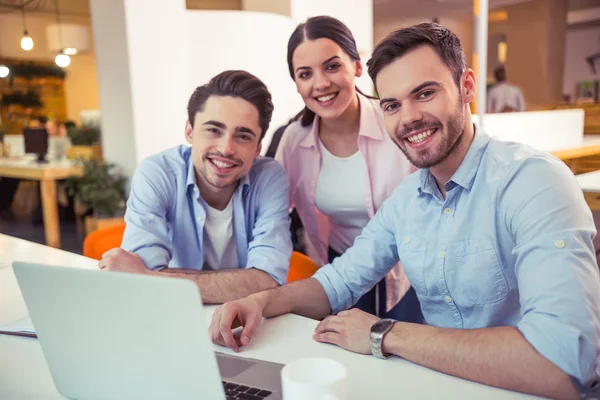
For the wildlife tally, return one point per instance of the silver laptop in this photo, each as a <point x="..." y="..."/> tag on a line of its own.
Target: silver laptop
<point x="110" y="335"/>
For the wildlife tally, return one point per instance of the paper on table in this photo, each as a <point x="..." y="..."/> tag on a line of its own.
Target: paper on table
<point x="20" y="327"/>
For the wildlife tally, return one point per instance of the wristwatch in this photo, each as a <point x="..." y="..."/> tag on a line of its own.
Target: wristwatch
<point x="378" y="331"/>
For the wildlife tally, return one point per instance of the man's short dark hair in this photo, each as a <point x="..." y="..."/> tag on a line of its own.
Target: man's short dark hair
<point x="398" y="43"/>
<point x="235" y="84"/>
<point x="500" y="73"/>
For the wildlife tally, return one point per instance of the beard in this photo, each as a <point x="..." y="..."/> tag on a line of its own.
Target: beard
<point x="213" y="179"/>
<point x="428" y="158"/>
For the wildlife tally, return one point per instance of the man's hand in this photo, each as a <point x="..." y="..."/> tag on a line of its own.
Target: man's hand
<point x="120" y="260"/>
<point x="351" y="330"/>
<point x="246" y="312"/>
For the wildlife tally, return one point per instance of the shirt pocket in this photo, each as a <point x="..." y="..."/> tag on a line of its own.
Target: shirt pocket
<point x="474" y="275"/>
<point x="412" y="251"/>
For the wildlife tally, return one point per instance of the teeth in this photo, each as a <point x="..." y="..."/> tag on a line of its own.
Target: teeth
<point x="323" y="99"/>
<point x="221" y="164"/>
<point x="419" y="137"/>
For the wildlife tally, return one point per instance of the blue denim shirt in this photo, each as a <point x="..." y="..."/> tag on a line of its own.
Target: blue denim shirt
<point x="166" y="214"/>
<point x="511" y="245"/>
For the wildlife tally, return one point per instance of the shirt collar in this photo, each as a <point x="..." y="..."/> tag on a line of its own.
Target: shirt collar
<point x="369" y="126"/>
<point x="466" y="172"/>
<point x="191" y="171"/>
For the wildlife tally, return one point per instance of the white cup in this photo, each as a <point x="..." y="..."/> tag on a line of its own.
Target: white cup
<point x="314" y="379"/>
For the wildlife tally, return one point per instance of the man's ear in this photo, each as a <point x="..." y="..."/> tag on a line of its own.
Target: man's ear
<point x="258" y="149"/>
<point x="468" y="86"/>
<point x="188" y="132"/>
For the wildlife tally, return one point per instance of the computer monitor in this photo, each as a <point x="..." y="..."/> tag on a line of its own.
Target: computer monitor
<point x="36" y="141"/>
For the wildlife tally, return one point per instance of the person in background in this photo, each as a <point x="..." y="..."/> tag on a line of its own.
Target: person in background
<point x="215" y="213"/>
<point x="341" y="163"/>
<point x="495" y="237"/>
<point x="504" y="96"/>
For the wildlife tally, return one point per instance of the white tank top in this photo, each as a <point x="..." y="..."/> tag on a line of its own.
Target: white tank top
<point x="340" y="195"/>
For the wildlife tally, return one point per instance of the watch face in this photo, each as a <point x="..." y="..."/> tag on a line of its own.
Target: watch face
<point x="382" y="325"/>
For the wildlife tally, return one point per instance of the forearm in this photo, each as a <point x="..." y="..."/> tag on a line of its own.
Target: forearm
<point x="305" y="297"/>
<point x="225" y="285"/>
<point x="498" y="357"/>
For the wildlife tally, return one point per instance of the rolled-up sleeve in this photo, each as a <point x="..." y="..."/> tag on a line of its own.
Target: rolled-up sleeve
<point x="555" y="266"/>
<point x="371" y="256"/>
<point x="271" y="247"/>
<point x="149" y="201"/>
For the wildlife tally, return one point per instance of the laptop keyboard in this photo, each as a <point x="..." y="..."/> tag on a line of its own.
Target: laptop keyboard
<point x="233" y="391"/>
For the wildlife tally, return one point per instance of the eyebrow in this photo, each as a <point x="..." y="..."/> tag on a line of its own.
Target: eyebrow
<point x="223" y="126"/>
<point x="324" y="62"/>
<point x="415" y="90"/>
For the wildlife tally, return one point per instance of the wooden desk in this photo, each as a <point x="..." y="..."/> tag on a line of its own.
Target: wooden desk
<point x="24" y="373"/>
<point x="47" y="174"/>
<point x="581" y="159"/>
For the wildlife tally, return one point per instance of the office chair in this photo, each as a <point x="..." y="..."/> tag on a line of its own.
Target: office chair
<point x="98" y="242"/>
<point x="301" y="267"/>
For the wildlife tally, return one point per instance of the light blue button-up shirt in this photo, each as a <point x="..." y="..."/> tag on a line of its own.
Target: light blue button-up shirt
<point x="165" y="215"/>
<point x="511" y="245"/>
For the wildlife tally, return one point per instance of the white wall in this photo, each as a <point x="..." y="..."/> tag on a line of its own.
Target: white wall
<point x="251" y="46"/>
<point x="580" y="44"/>
<point x="143" y="76"/>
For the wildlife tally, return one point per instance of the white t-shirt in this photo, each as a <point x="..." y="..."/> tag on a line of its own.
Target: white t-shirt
<point x="220" y="251"/>
<point x="340" y="195"/>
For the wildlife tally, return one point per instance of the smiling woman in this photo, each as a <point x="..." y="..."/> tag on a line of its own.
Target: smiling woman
<point x="339" y="157"/>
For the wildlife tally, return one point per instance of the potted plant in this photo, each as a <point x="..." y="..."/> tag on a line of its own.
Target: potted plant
<point x="85" y="143"/>
<point x="99" y="194"/>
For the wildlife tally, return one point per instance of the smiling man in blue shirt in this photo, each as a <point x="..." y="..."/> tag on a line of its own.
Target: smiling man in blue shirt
<point x="495" y="237"/>
<point x="216" y="212"/>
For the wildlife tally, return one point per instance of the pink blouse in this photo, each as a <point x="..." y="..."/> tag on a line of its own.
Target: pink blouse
<point x="387" y="167"/>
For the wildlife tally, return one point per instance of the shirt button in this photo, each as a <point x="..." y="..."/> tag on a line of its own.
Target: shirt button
<point x="448" y="299"/>
<point x="199" y="219"/>
<point x="447" y="211"/>
<point x="407" y="239"/>
<point x="441" y="254"/>
<point x="560" y="243"/>
<point x="195" y="189"/>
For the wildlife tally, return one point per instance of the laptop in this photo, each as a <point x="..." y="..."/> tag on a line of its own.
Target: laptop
<point x="110" y="335"/>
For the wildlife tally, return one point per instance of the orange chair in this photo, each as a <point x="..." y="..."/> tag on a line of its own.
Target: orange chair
<point x="102" y="240"/>
<point x="301" y="267"/>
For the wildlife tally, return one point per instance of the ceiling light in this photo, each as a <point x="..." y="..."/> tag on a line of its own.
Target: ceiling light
<point x="26" y="42"/>
<point x="62" y="60"/>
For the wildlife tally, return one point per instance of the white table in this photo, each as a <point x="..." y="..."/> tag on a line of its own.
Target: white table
<point x="589" y="182"/>
<point x="590" y="185"/>
<point x="24" y="374"/>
